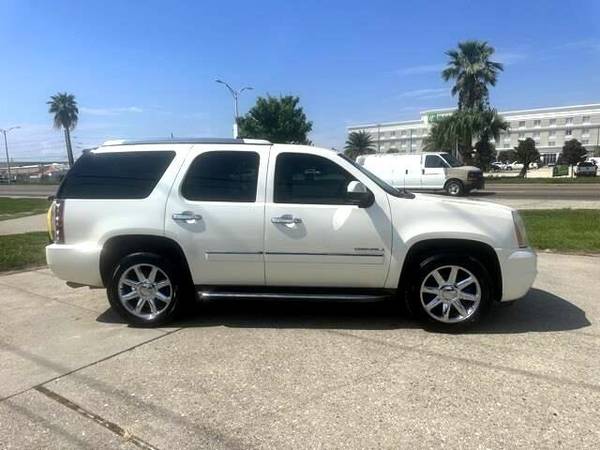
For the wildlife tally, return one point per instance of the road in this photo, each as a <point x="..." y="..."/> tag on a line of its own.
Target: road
<point x="300" y="375"/>
<point x="27" y="190"/>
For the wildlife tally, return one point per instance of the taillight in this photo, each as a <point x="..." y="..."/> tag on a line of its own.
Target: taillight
<point x="57" y="223"/>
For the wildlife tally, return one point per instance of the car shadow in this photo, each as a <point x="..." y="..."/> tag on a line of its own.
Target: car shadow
<point x="539" y="311"/>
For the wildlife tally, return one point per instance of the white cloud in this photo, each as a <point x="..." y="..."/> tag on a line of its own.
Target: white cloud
<point x="110" y="111"/>
<point x="425" y="93"/>
<point x="585" y="44"/>
<point x="422" y="69"/>
<point x="509" y="58"/>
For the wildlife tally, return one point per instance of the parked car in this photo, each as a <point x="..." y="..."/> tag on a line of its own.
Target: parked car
<point x="518" y="166"/>
<point x="498" y="166"/>
<point x="429" y="171"/>
<point x="585" y="169"/>
<point x="514" y="165"/>
<point x="162" y="223"/>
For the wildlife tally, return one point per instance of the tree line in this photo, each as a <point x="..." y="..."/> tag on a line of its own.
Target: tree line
<point x="475" y="120"/>
<point x="469" y="131"/>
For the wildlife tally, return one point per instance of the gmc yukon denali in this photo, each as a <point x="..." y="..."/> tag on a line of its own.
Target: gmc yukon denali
<point x="161" y="223"/>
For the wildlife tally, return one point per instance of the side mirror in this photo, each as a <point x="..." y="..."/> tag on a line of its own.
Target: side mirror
<point x="359" y="195"/>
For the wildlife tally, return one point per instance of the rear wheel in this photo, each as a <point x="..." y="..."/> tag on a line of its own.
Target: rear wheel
<point x="454" y="188"/>
<point x="144" y="290"/>
<point x="450" y="291"/>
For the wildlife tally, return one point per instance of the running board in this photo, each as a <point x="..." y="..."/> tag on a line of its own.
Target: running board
<point x="212" y="295"/>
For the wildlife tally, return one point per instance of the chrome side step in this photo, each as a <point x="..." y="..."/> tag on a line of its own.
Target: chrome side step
<point x="213" y="295"/>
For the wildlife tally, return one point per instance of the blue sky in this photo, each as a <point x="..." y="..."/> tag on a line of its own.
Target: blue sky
<point x="147" y="68"/>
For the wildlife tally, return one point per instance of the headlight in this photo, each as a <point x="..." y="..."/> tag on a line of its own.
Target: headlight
<point x="520" y="231"/>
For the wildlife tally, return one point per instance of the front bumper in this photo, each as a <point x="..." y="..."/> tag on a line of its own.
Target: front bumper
<point x="475" y="184"/>
<point x="519" y="269"/>
<point x="76" y="263"/>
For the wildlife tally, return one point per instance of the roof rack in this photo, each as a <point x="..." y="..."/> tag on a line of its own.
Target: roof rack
<point x="186" y="141"/>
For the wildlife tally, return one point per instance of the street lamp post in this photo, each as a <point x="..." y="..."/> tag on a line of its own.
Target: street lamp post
<point x="235" y="94"/>
<point x="5" y="132"/>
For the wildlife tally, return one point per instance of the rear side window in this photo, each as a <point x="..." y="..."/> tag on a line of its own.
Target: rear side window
<point x="119" y="175"/>
<point x="222" y="176"/>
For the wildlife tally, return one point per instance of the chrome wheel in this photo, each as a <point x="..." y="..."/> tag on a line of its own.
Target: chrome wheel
<point x="453" y="189"/>
<point x="450" y="294"/>
<point x="145" y="291"/>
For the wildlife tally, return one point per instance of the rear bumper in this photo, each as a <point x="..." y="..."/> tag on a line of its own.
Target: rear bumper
<point x="519" y="269"/>
<point x="76" y="263"/>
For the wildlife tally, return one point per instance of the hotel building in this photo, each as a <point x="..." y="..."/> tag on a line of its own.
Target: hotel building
<point x="550" y="128"/>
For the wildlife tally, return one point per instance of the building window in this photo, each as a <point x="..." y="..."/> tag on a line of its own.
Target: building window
<point x="585" y="141"/>
<point x="568" y="132"/>
<point x="552" y="122"/>
<point x="536" y="135"/>
<point x="586" y="119"/>
<point x="522" y="124"/>
<point x="521" y="135"/>
<point x="551" y="143"/>
<point x="403" y="133"/>
<point x="392" y="133"/>
<point x="569" y="120"/>
<point x="537" y="123"/>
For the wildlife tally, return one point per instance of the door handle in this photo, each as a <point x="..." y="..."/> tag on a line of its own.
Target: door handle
<point x="286" y="219"/>
<point x="187" y="217"/>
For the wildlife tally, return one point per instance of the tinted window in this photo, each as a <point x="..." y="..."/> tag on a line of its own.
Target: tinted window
<point x="310" y="179"/>
<point x="115" y="175"/>
<point x="434" y="162"/>
<point x="222" y="177"/>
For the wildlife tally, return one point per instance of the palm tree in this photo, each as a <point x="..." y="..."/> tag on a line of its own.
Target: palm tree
<point x="359" y="143"/>
<point x="66" y="114"/>
<point x="441" y="136"/>
<point x="488" y="126"/>
<point x="458" y="130"/>
<point x="472" y="70"/>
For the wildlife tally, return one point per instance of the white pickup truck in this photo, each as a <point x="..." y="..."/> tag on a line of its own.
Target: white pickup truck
<point x="160" y="223"/>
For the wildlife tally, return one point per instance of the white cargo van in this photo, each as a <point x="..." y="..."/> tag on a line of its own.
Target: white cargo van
<point x="428" y="171"/>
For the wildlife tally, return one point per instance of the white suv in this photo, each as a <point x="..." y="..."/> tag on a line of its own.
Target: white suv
<point x="159" y="223"/>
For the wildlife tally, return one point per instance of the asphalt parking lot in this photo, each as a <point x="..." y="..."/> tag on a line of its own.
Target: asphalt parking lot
<point x="300" y="375"/>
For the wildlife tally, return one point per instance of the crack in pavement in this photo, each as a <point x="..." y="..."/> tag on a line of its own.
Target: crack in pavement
<point x="110" y="426"/>
<point x="85" y="366"/>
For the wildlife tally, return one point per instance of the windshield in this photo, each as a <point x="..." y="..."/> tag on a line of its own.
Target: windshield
<point x="378" y="181"/>
<point x="451" y="160"/>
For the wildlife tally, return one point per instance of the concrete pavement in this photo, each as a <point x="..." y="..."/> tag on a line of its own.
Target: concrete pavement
<point x="24" y="224"/>
<point x="295" y="375"/>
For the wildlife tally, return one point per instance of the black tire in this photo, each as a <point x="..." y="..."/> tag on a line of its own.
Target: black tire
<point x="455" y="188"/>
<point x="471" y="267"/>
<point x="145" y="262"/>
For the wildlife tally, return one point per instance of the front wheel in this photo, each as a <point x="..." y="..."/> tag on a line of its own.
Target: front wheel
<point x="144" y="290"/>
<point x="454" y="188"/>
<point x="451" y="291"/>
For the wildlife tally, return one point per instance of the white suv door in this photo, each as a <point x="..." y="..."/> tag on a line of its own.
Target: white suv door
<point x="313" y="235"/>
<point x="216" y="213"/>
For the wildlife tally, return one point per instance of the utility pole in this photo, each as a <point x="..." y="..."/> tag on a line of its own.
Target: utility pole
<point x="5" y="132"/>
<point x="235" y="94"/>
